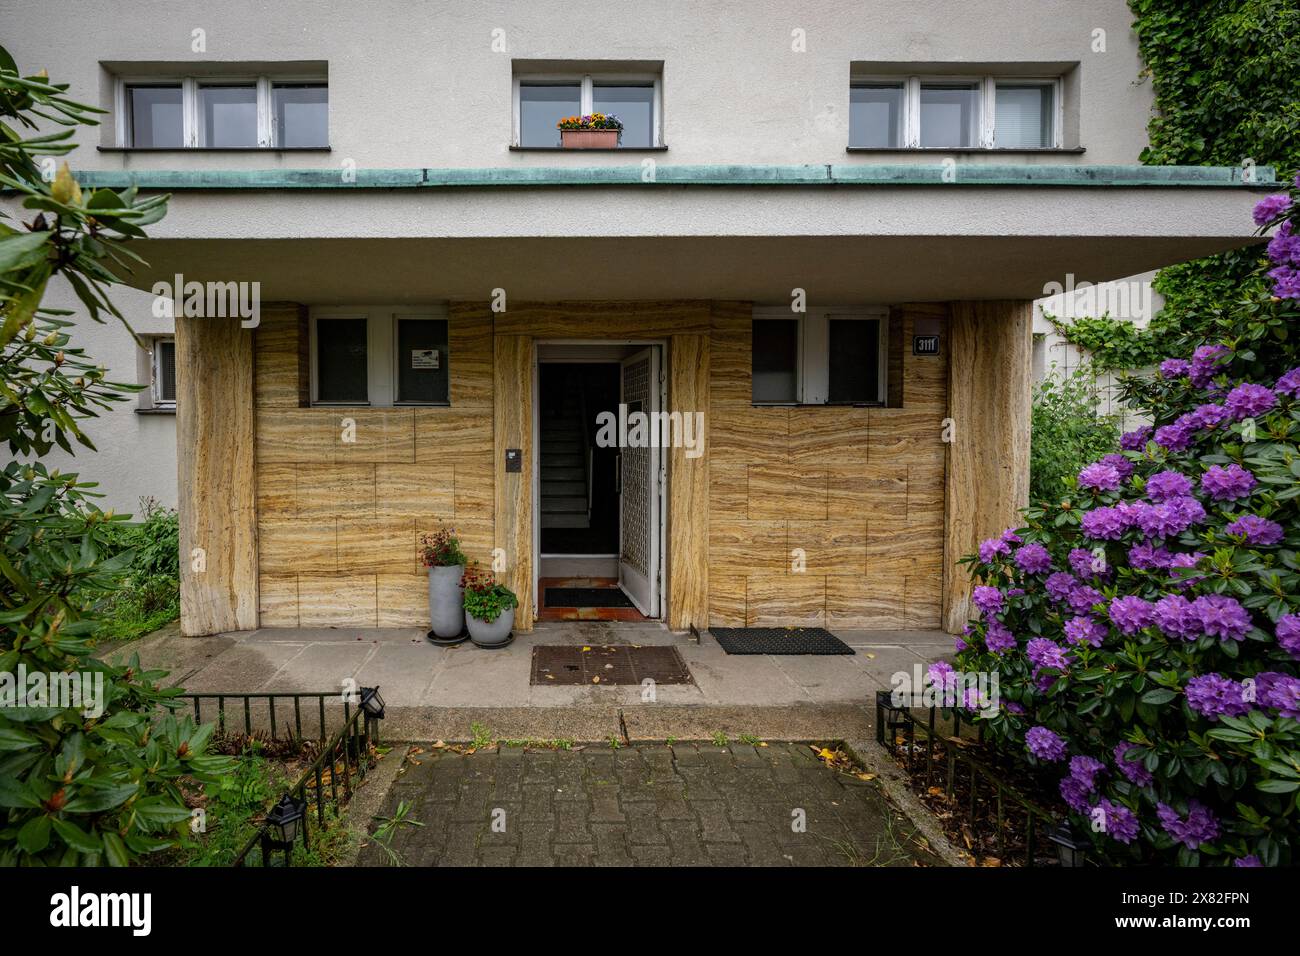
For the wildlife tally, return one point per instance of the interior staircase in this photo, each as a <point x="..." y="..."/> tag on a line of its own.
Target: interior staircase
<point x="565" y="498"/>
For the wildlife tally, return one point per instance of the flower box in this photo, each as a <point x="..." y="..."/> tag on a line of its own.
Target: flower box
<point x="589" y="138"/>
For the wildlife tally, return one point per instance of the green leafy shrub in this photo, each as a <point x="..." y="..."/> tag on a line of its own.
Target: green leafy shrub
<point x="1067" y="432"/>
<point x="95" y="780"/>
<point x="1146" y="631"/>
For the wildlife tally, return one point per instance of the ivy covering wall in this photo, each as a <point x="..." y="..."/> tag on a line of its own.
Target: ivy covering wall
<point x="1226" y="77"/>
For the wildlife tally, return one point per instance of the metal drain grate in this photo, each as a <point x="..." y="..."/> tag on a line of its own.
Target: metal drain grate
<point x="779" y="640"/>
<point x="607" y="664"/>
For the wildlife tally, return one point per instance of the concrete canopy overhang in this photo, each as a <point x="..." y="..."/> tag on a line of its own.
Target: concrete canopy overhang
<point x="890" y="241"/>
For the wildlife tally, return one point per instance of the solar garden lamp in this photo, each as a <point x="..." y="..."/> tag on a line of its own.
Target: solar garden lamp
<point x="1070" y="850"/>
<point x="283" y="824"/>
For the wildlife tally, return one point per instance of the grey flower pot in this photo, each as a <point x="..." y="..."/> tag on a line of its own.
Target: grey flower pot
<point x="493" y="634"/>
<point x="446" y="600"/>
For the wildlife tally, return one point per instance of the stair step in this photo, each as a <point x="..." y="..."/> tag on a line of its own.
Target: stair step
<point x="571" y="504"/>
<point x="561" y="446"/>
<point x="565" y="521"/>
<point x="552" y="488"/>
<point x="565" y="460"/>
<point x="563" y="473"/>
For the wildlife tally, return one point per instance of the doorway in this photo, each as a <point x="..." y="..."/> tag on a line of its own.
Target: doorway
<point x="599" y="487"/>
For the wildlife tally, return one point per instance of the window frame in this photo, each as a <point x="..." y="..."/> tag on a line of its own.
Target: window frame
<point x="986" y="85"/>
<point x="765" y="314"/>
<point x="587" y="83"/>
<point x="812" y="369"/>
<point x="155" y="377"/>
<point x="381" y="353"/>
<point x="191" y="118"/>
<point x="881" y="318"/>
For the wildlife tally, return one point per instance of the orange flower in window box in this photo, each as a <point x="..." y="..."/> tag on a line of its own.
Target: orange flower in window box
<point x="593" y="131"/>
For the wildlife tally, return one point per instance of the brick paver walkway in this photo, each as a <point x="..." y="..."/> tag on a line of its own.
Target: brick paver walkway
<point x="645" y="805"/>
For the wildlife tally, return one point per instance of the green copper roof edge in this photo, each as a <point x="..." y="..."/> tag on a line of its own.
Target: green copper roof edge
<point x="664" y="174"/>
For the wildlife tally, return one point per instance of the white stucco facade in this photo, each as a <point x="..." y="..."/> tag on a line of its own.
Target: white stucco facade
<point x="416" y="87"/>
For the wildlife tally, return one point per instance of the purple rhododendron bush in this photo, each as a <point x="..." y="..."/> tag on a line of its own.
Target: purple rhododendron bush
<point x="1146" y="630"/>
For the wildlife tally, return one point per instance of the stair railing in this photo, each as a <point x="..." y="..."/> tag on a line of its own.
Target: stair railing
<point x="586" y="446"/>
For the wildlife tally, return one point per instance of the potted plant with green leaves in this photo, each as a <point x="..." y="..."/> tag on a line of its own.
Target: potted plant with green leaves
<point x="489" y="608"/>
<point x="441" y="553"/>
<point x="593" y="131"/>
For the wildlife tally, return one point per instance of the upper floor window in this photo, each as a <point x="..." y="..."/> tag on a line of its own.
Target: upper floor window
<point x="262" y="112"/>
<point x="542" y="100"/>
<point x="955" y="113"/>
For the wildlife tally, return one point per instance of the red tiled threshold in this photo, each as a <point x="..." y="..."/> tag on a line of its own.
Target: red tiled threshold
<point x="546" y="613"/>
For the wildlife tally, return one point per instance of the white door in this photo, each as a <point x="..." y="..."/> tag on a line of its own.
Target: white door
<point x="639" y="462"/>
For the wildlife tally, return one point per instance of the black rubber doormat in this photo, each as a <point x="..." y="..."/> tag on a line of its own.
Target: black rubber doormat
<point x="607" y="664"/>
<point x="779" y="640"/>
<point x="586" y="597"/>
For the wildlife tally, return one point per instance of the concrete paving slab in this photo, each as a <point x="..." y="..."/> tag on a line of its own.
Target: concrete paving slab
<point x="321" y="666"/>
<point x="244" y="668"/>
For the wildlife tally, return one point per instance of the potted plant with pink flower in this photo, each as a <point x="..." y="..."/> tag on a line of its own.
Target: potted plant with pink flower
<point x="441" y="553"/>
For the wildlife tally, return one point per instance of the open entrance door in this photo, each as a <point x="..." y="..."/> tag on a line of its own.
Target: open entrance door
<point x="639" y="482"/>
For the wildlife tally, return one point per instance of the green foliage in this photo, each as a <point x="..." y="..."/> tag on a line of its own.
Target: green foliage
<point x="1227" y="90"/>
<point x="149" y="597"/>
<point x="233" y="806"/>
<point x="94" y="781"/>
<point x="484" y="598"/>
<point x="1068" y="432"/>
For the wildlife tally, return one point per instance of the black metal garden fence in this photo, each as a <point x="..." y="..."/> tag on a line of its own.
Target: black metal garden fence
<point x="344" y="756"/>
<point x="952" y="764"/>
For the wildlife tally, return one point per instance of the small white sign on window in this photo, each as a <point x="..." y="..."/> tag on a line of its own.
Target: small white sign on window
<point x="425" y="358"/>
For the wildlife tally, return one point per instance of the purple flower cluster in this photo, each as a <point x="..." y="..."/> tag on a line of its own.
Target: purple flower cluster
<point x="1175" y="368"/>
<point x="1043" y="652"/>
<point x="1119" y="462"/>
<point x="1131" y="614"/>
<point x="1083" y="598"/>
<point x="1275" y="689"/>
<point x="988" y="599"/>
<point x="1270" y="207"/>
<point x="1222" y="617"/>
<point x="1287" y="632"/>
<point x="1083" y="629"/>
<point x="1136" y="772"/>
<point x="1209" y="415"/>
<point x="1248" y="400"/>
<point x="1256" y="530"/>
<point x="1227" y="484"/>
<point x="1148" y="557"/>
<point x="1176" y="618"/>
<point x="1059" y="585"/>
<point x="1283" y="251"/>
<point x="1104" y="524"/>
<point x="998" y="638"/>
<point x="1137" y="439"/>
<point x="1117" y="821"/>
<point x="1289" y="384"/>
<point x="1167" y="519"/>
<point x="1081" y="782"/>
<point x="1044" y="744"/>
<point x="1214" y="696"/>
<point x="1206" y="362"/>
<point x="1199" y="826"/>
<point x="1086" y="564"/>
<point x="1100" y="476"/>
<point x="1033" y="559"/>
<point x="991" y="548"/>
<point x="1168" y="484"/>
